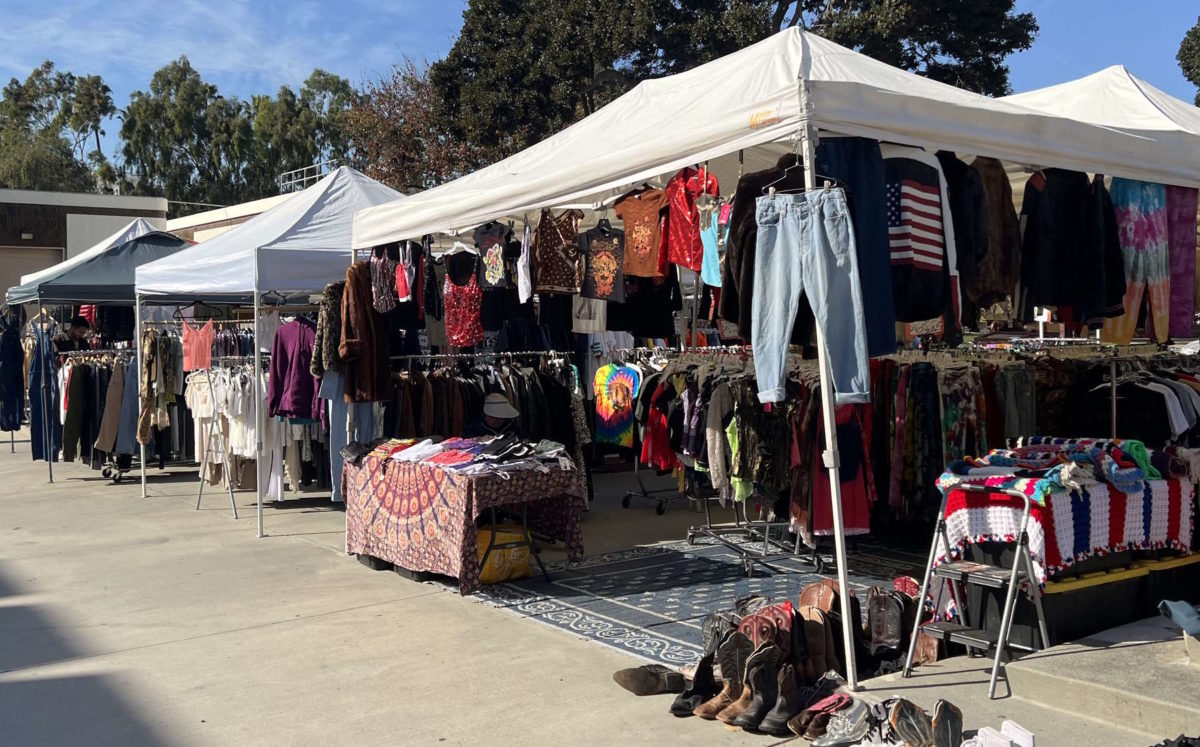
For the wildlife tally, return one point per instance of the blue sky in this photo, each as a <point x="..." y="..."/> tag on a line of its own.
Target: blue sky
<point x="255" y="46"/>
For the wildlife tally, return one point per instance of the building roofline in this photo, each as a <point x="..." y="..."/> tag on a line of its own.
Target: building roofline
<point x="82" y="199"/>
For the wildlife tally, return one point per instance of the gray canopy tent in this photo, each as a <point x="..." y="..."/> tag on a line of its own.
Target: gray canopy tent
<point x="104" y="276"/>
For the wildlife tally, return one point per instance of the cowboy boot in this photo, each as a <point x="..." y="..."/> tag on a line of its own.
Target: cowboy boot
<point x="787" y="704"/>
<point x="732" y="654"/>
<point x="766" y="652"/>
<point x="764" y="683"/>
<point x="704" y="686"/>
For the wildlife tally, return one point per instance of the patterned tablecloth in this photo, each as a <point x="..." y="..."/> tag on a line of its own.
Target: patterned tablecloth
<point x="422" y="517"/>
<point x="1075" y="525"/>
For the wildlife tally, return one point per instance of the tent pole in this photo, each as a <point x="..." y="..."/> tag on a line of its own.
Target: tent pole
<point x="138" y="353"/>
<point x="47" y="428"/>
<point x="258" y="409"/>
<point x="832" y="461"/>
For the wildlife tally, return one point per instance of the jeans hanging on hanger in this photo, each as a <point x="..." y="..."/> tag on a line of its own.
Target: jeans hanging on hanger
<point x="805" y="244"/>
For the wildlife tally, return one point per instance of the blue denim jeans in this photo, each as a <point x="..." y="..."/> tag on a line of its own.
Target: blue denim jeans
<point x="333" y="389"/>
<point x="806" y="244"/>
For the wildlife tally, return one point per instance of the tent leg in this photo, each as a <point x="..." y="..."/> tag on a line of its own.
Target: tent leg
<point x="832" y="462"/>
<point x="258" y="398"/>
<point x="47" y="428"/>
<point x="138" y="353"/>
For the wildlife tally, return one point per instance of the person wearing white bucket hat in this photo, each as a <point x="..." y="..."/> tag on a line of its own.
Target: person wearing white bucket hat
<point x="499" y="418"/>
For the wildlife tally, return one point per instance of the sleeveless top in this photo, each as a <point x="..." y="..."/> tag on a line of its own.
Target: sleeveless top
<point x="197" y="346"/>
<point x="463" y="325"/>
<point x="383" y="279"/>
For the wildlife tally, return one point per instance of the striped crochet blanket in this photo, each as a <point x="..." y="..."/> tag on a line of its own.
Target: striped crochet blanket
<point x="1071" y="525"/>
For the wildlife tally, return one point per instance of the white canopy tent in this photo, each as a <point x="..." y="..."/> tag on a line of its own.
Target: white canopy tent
<point x="1114" y="97"/>
<point x="765" y="93"/>
<point x="294" y="249"/>
<point x="787" y="89"/>
<point x="291" y="251"/>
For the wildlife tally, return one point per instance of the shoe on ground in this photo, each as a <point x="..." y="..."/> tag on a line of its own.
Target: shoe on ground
<point x="911" y="724"/>
<point x="1019" y="735"/>
<point x="651" y="679"/>
<point x="762" y="678"/>
<point x="947" y="725"/>
<point x="846" y="727"/>
<point x="732" y="655"/>
<point x="704" y="686"/>
<point x="787" y="704"/>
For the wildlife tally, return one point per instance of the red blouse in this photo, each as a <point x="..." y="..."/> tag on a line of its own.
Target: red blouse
<point x="683" y="218"/>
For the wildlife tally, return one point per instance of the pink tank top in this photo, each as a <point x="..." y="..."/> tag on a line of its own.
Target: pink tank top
<point x="197" y="346"/>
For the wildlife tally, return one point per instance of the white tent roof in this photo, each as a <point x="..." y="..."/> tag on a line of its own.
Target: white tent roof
<point x="302" y="245"/>
<point x="1115" y="97"/>
<point x="752" y="97"/>
<point x="136" y="229"/>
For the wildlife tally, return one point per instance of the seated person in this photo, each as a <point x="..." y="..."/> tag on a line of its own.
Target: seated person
<point x="499" y="419"/>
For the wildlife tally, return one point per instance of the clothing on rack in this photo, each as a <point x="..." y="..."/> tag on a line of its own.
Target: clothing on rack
<point x="12" y="379"/>
<point x="45" y="427"/>
<point x="684" y="247"/>
<point x="642" y="215"/>
<point x="1141" y="210"/>
<point x="329" y="331"/>
<point x="363" y="347"/>
<point x="1182" y="206"/>
<point x="921" y="234"/>
<point x="558" y="262"/>
<point x="197" y="346"/>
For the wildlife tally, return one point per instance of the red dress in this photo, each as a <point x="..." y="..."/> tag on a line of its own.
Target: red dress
<point x="464" y="328"/>
<point x="856" y="503"/>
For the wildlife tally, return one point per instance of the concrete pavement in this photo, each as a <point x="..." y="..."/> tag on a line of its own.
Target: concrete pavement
<point x="130" y="621"/>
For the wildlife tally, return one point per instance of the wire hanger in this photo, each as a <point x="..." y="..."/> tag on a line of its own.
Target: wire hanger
<point x="459" y="247"/>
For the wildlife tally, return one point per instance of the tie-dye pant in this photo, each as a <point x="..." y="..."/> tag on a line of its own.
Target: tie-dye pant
<point x="1141" y="209"/>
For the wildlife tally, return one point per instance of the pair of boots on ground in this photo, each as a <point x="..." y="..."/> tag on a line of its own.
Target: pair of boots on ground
<point x="762" y="676"/>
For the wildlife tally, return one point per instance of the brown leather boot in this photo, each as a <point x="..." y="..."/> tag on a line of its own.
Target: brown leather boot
<point x="732" y="655"/>
<point x="763" y="655"/>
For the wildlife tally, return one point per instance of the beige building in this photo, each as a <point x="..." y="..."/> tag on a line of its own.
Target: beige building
<point x="211" y="223"/>
<point x="41" y="229"/>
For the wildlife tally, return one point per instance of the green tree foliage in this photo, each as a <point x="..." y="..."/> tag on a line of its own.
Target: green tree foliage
<point x="184" y="140"/>
<point x="43" y="120"/>
<point x="524" y="69"/>
<point x="1189" y="57"/>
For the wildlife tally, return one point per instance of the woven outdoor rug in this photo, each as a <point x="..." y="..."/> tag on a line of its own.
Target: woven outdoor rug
<point x="649" y="602"/>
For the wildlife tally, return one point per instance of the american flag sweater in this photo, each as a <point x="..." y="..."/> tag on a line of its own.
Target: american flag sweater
<point x="920" y="235"/>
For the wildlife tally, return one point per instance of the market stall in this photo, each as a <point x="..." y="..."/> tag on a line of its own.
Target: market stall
<point x="278" y="259"/>
<point x="102" y="276"/>
<point x="812" y="102"/>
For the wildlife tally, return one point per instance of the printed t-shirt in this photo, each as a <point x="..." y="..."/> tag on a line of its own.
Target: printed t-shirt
<point x="616" y="388"/>
<point x="604" y="257"/>
<point x="641" y="213"/>
<point x="491" y="240"/>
